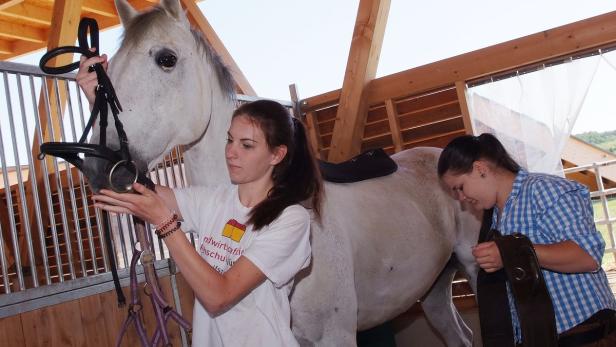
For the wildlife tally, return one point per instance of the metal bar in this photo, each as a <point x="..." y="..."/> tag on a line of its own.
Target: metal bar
<point x="25" y="218"/>
<point x="69" y="174"/>
<point x="82" y="185"/>
<point x="176" y="297"/>
<point x="120" y="233"/>
<point x="131" y="236"/>
<point x="34" y="183"/>
<point x="106" y="260"/>
<point x="31" y="70"/>
<point x="4" y="264"/>
<point x="604" y="192"/>
<point x="589" y="166"/>
<point x="161" y="246"/>
<point x="604" y="204"/>
<point x="52" y="217"/>
<point x="65" y="225"/>
<point x="180" y="167"/>
<point x="8" y="193"/>
<point x="35" y="298"/>
<point x="24" y="201"/>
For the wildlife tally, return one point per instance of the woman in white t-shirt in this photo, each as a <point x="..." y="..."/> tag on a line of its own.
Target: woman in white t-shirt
<point x="253" y="235"/>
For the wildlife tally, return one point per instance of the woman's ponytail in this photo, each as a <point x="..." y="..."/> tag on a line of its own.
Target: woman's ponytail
<point x="296" y="178"/>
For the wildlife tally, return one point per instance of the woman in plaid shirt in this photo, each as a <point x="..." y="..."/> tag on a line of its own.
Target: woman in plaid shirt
<point x="556" y="215"/>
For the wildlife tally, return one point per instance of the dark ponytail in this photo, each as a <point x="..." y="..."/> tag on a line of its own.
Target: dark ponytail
<point x="296" y="178"/>
<point x="460" y="154"/>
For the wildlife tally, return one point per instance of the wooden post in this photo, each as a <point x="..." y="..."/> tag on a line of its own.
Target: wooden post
<point x="394" y="124"/>
<point x="466" y="116"/>
<point x="361" y="69"/>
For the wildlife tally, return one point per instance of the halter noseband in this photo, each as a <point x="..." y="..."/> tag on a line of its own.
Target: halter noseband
<point x="105" y="96"/>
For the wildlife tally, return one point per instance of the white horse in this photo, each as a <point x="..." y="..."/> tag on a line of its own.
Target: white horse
<point x="382" y="243"/>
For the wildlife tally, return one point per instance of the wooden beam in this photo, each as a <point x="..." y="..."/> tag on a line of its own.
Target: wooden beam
<point x="102" y="8"/>
<point x="394" y="124"/>
<point x="466" y="115"/>
<point x="28" y="12"/>
<point x="361" y="69"/>
<point x="22" y="47"/>
<point x="198" y="20"/>
<point x="561" y="41"/>
<point x="22" y="32"/>
<point x="314" y="135"/>
<point x="4" y="4"/>
<point x="6" y="47"/>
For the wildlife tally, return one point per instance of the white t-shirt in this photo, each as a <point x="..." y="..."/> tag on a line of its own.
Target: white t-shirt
<point x="279" y="250"/>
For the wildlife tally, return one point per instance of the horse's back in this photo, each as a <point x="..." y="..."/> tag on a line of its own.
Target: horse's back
<point x="391" y="235"/>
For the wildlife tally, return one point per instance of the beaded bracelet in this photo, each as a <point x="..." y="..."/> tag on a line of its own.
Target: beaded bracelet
<point x="166" y="223"/>
<point x="164" y="233"/>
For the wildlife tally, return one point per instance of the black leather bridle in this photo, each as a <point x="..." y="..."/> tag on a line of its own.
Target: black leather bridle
<point x="69" y="151"/>
<point x="118" y="160"/>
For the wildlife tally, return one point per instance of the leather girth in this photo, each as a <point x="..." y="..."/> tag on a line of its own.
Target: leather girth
<point x="532" y="299"/>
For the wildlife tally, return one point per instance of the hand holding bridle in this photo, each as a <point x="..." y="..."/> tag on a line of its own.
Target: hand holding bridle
<point x="488" y="256"/>
<point x="86" y="76"/>
<point x="143" y="203"/>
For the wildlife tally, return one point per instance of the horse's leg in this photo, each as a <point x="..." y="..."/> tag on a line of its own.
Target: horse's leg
<point x="437" y="304"/>
<point x="323" y="302"/>
<point x="441" y="313"/>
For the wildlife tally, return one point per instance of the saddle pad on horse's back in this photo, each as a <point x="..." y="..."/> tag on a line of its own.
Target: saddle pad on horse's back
<point x="370" y="164"/>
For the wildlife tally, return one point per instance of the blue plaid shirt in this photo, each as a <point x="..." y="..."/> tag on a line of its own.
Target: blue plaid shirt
<point x="549" y="209"/>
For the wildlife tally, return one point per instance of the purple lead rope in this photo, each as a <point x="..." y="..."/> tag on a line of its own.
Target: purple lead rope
<point x="162" y="310"/>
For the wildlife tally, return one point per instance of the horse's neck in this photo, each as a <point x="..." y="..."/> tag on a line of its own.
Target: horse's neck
<point x="205" y="160"/>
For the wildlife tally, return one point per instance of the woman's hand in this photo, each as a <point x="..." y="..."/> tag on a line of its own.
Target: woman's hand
<point x="488" y="256"/>
<point x="86" y="79"/>
<point x="144" y="204"/>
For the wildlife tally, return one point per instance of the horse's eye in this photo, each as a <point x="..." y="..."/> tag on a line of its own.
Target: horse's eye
<point x="166" y="60"/>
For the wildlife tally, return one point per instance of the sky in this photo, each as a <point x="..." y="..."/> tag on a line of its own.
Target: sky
<point x="279" y="42"/>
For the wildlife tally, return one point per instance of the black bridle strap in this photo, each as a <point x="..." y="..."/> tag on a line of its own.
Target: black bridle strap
<point x="105" y="97"/>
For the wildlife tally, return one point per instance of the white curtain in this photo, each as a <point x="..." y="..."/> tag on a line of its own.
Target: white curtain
<point x="533" y="113"/>
<point x="610" y="58"/>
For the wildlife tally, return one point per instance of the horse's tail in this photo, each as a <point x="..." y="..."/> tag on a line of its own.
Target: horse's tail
<point x="468" y="225"/>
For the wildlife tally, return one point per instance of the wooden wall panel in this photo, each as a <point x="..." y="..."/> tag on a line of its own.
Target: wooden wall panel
<point x="91" y="321"/>
<point x="11" y="331"/>
<point x="94" y="322"/>
<point x="426" y="120"/>
<point x="434" y="141"/>
<point x="444" y="127"/>
<point x="57" y="325"/>
<point x="417" y="103"/>
<point x="436" y="114"/>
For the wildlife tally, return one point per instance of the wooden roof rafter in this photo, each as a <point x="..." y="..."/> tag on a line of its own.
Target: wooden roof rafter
<point x="25" y="26"/>
<point x="360" y="71"/>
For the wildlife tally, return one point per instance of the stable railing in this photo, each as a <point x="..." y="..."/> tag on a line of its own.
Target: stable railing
<point x="604" y="216"/>
<point x="51" y="241"/>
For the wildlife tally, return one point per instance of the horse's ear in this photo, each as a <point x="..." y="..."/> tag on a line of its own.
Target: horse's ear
<point x="125" y="11"/>
<point x="174" y="9"/>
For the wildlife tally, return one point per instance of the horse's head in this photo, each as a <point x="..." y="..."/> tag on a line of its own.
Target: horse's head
<point x="168" y="81"/>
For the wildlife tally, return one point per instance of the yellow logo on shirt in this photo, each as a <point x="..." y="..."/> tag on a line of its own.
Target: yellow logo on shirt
<point x="234" y="230"/>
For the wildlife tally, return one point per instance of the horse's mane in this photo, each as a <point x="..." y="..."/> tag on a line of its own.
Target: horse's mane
<point x="140" y="25"/>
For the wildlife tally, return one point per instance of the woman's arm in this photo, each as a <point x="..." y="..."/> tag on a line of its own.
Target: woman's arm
<point x="565" y="256"/>
<point x="216" y="292"/>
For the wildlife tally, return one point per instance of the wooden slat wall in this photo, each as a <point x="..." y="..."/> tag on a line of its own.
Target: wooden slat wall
<point x="430" y="119"/>
<point x="90" y="321"/>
